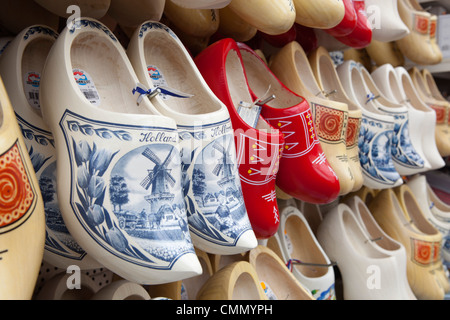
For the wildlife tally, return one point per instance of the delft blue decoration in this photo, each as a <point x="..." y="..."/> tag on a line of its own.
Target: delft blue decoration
<point x="403" y="151"/>
<point x="126" y="189"/>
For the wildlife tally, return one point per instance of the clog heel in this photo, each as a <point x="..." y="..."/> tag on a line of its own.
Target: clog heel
<point x="21" y="66"/>
<point x="259" y="145"/>
<point x="216" y="210"/>
<point x="292" y="67"/>
<point x="328" y="80"/>
<point x="119" y="167"/>
<point x="291" y="114"/>
<point x="22" y="216"/>
<point x="375" y="136"/>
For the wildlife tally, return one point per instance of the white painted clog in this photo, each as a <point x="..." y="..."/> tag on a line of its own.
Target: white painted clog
<point x="368" y="273"/>
<point x="303" y="255"/>
<point x="22" y="216"/>
<point x="388" y="82"/>
<point x="21" y="66"/>
<point x="212" y="190"/>
<point x="119" y="168"/>
<point x="376" y="132"/>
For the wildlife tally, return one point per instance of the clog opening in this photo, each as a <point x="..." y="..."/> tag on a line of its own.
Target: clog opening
<point x="274" y="276"/>
<point x="238" y="87"/>
<point x="395" y="89"/>
<point x="304" y="248"/>
<point x="437" y="202"/>
<point x="375" y="90"/>
<point x="304" y="71"/>
<point x="33" y="62"/>
<point x="374" y="229"/>
<point x="245" y="288"/>
<point x="416" y="214"/>
<point x="110" y="84"/>
<point x="192" y="285"/>
<point x="360" y="90"/>
<point x="169" y="66"/>
<point x="357" y="238"/>
<point x="419" y="82"/>
<point x="264" y="84"/>
<point x="431" y="84"/>
<point x="411" y="93"/>
<point x="84" y="293"/>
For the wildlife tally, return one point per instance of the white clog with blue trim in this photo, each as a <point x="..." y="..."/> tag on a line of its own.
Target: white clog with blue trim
<point x="215" y="207"/>
<point x="119" y="167"/>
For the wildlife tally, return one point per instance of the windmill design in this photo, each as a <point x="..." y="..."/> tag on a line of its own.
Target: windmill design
<point x="225" y="167"/>
<point x="159" y="178"/>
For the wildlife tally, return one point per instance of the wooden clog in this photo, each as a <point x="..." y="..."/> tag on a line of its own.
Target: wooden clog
<point x="133" y="13"/>
<point x="385" y="53"/>
<point x="347" y="24"/>
<point x="21" y="66"/>
<point x="202" y="4"/>
<point x="433" y="138"/>
<point x="269" y="16"/>
<point x="422" y="223"/>
<point x="88" y="8"/>
<point x="292" y="67"/>
<point x="237" y="281"/>
<point x="387" y="80"/>
<point x="232" y="25"/>
<point x="277" y="281"/>
<point x="389" y="214"/>
<point x="416" y="46"/>
<point x="312" y="214"/>
<point x="65" y="286"/>
<point x="349" y="244"/>
<point x="407" y="160"/>
<point x="328" y="80"/>
<point x="360" y="56"/>
<point x="375" y="134"/>
<point x="18" y="15"/>
<point x="298" y="247"/>
<point x="122" y="290"/>
<point x="216" y="211"/>
<point x="22" y="216"/>
<point x="386" y="22"/>
<point x="433" y="39"/>
<point x="289" y="112"/>
<point x="195" y="22"/>
<point x="321" y="14"/>
<point x="122" y="197"/>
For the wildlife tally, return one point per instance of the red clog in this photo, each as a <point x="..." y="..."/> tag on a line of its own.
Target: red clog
<point x="315" y="182"/>
<point x="361" y="36"/>
<point x="306" y="37"/>
<point x="348" y="23"/>
<point x="258" y="149"/>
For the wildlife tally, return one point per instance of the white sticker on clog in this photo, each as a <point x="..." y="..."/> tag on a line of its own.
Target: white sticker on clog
<point x="158" y="79"/>
<point x="32" y="81"/>
<point x="87" y="86"/>
<point x="268" y="291"/>
<point x="249" y="113"/>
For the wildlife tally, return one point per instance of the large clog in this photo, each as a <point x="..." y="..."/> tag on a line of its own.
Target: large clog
<point x="216" y="210"/>
<point x="119" y="168"/>
<point x="22" y="216"/>
<point x="21" y="66"/>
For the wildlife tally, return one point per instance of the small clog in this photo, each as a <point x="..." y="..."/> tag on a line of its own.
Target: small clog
<point x="122" y="290"/>
<point x="328" y="80"/>
<point x="259" y="145"/>
<point x="291" y="66"/>
<point x="390" y="216"/>
<point x="21" y="66"/>
<point x="387" y="26"/>
<point x="90" y="8"/>
<point x="388" y="82"/>
<point x="269" y="16"/>
<point x="302" y="253"/>
<point x="376" y="132"/>
<point x="277" y="281"/>
<point x="121" y="196"/>
<point x="237" y="281"/>
<point x="215" y="207"/>
<point x="368" y="272"/>
<point x="291" y="114"/>
<point x="320" y="14"/>
<point x="361" y="36"/>
<point x="132" y="13"/>
<point x="22" y="215"/>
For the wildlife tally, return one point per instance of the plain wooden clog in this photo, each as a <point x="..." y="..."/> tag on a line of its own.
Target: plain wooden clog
<point x="133" y="13"/>
<point x="323" y="14"/>
<point x="122" y="290"/>
<point x="232" y="25"/>
<point x="385" y="53"/>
